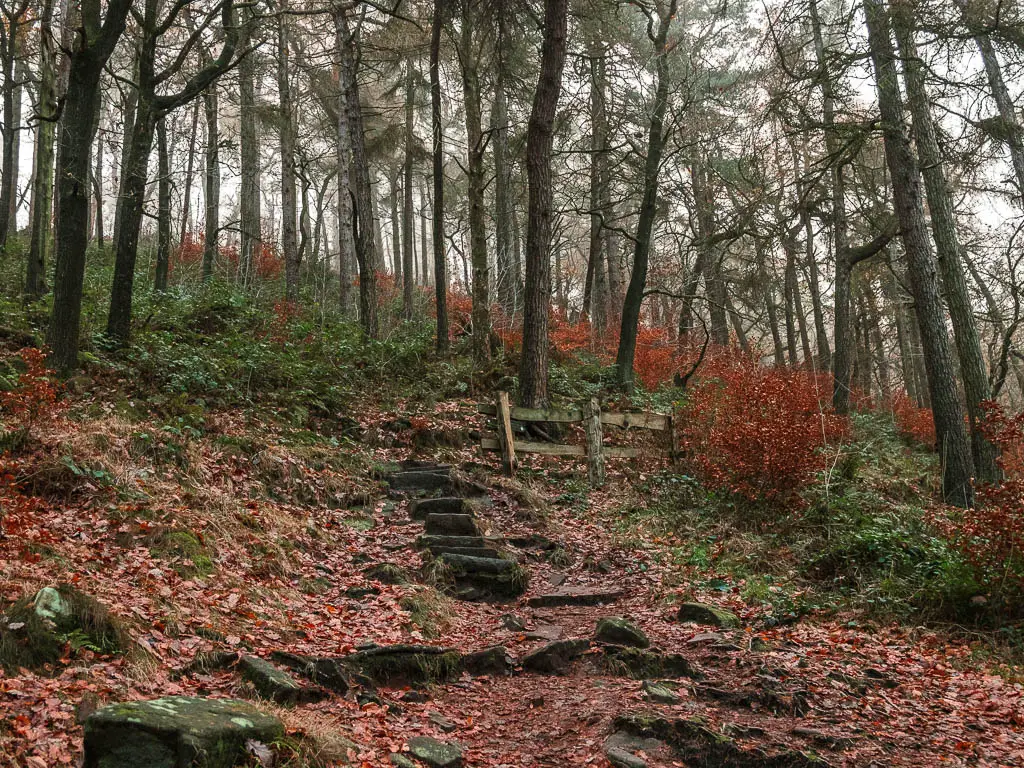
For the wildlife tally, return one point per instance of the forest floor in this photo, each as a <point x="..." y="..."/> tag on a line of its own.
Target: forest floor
<point x="255" y="537"/>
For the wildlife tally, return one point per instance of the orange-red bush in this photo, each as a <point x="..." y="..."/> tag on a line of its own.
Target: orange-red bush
<point x="35" y="397"/>
<point x="991" y="536"/>
<point x="755" y="431"/>
<point x="913" y="422"/>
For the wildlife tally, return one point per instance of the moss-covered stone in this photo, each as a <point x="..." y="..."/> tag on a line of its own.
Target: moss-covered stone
<point x="495" y="661"/>
<point x="618" y="631"/>
<point x="405" y="664"/>
<point x="436" y="754"/>
<point x="555" y="658"/>
<point x="175" y="732"/>
<point x="35" y="630"/>
<point x="701" y="613"/>
<point x="186" y="550"/>
<point x="275" y="684"/>
<point x="387" y="573"/>
<point x="640" y="663"/>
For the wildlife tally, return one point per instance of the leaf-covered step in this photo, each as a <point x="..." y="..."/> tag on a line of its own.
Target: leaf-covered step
<point x="449" y="505"/>
<point x="442" y="524"/>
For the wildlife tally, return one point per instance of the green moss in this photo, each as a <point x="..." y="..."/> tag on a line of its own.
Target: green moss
<point x="428" y="609"/>
<point x="36" y="629"/>
<point x="194" y="559"/>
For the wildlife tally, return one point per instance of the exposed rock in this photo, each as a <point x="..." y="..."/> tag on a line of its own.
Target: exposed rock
<point x="619" y="631"/>
<point x="512" y="623"/>
<point x="358" y="593"/>
<point x="404" y="664"/>
<point x="441" y="722"/>
<point x="273" y="684"/>
<point x="436" y="754"/>
<point x="700" y="613"/>
<point x="451" y="505"/>
<point x="555" y="658"/>
<point x="696" y="743"/>
<point x="387" y="573"/>
<point x="545" y="632"/>
<point x="533" y="541"/>
<point x="620" y="749"/>
<point x="557" y="579"/>
<point x="793" y="703"/>
<point x="702" y="638"/>
<point x="440" y="524"/>
<point x="660" y="693"/>
<point x="430" y="542"/>
<point x="639" y="663"/>
<point x="176" y="732"/>
<point x="461" y="564"/>
<point x="401" y="761"/>
<point x="484" y="552"/>
<point x="478" y="577"/>
<point x="433" y="479"/>
<point x="327" y="671"/>
<point x="585" y="596"/>
<point x="493" y="661"/>
<point x="34" y="631"/>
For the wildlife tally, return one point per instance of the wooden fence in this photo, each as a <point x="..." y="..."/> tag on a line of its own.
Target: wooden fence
<point x="593" y="420"/>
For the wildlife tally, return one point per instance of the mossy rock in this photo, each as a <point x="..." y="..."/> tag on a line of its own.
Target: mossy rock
<point x="555" y="658"/>
<point x="640" y="663"/>
<point x="276" y="685"/>
<point x="405" y="664"/>
<point x="176" y="732"/>
<point x="701" y="613"/>
<point x="186" y="549"/>
<point x="387" y="573"/>
<point x="35" y="630"/>
<point x="436" y="754"/>
<point x="616" y="630"/>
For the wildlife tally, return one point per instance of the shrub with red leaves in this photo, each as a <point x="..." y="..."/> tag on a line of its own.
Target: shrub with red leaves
<point x="35" y="398"/>
<point x="913" y="422"/>
<point x="757" y="432"/>
<point x="991" y="536"/>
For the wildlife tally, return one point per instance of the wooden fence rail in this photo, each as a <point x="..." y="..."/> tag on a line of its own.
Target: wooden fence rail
<point x="593" y="420"/>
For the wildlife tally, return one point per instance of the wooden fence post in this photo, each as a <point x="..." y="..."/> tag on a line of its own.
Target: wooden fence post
<point x="595" y="439"/>
<point x="508" y="448"/>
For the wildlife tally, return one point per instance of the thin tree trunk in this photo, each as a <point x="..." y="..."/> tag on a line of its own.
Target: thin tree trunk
<point x="249" y="156"/>
<point x="648" y="206"/>
<point x="163" y="246"/>
<point x="533" y="367"/>
<point x="507" y="278"/>
<point x="408" y="258"/>
<point x="211" y="193"/>
<point x="190" y="170"/>
<point x="954" y="446"/>
<point x="11" y="118"/>
<point x="289" y="204"/>
<point x="437" y="138"/>
<point x="954" y="280"/>
<point x="346" y="236"/>
<point x="598" y="180"/>
<point x="42" y="181"/>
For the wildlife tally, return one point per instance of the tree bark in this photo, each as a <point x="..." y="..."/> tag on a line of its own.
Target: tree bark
<point x="163" y="246"/>
<point x="947" y="244"/>
<point x="649" y="204"/>
<point x="953" y="444"/>
<point x="211" y="191"/>
<point x="437" y="139"/>
<point x="87" y="58"/>
<point x="346" y="235"/>
<point x="507" y="281"/>
<point x="408" y="257"/>
<point x="42" y="177"/>
<point x="249" y="156"/>
<point x="289" y="204"/>
<point x="533" y="365"/>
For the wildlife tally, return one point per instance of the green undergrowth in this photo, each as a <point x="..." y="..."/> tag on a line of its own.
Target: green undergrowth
<point x="857" y="540"/>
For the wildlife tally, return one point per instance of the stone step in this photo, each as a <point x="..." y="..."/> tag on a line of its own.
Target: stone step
<point x="582" y="596"/>
<point x="486" y="552"/>
<point x="450" y="505"/>
<point x="465" y="564"/>
<point x="429" y="542"/>
<point x="486" y="586"/>
<point x="441" y="524"/>
<point x="421" y="480"/>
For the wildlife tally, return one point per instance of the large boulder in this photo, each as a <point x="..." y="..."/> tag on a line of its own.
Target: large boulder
<point x="176" y="732"/>
<point x="701" y="613"/>
<point x="618" y="631"/>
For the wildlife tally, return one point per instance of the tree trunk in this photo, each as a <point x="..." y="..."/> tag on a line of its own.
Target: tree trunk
<point x="648" y="205"/>
<point x="249" y="156"/>
<point x="947" y="244"/>
<point x="11" y="118"/>
<point x="408" y="257"/>
<point x="130" y="104"/>
<point x="42" y="176"/>
<point x="533" y="367"/>
<point x="437" y="138"/>
<point x="954" y="446"/>
<point x="507" y="277"/>
<point x="190" y="169"/>
<point x="346" y="236"/>
<point x="594" y="301"/>
<point x="77" y="128"/>
<point x="477" y="184"/>
<point x="211" y="191"/>
<point x="289" y="204"/>
<point x="163" y="246"/>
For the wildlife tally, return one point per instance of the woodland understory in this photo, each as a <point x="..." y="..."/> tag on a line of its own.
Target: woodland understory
<point x="264" y="267"/>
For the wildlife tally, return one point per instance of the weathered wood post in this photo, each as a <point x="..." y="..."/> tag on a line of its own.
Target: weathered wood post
<point x="595" y="439"/>
<point x="508" y="448"/>
<point x="673" y="442"/>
